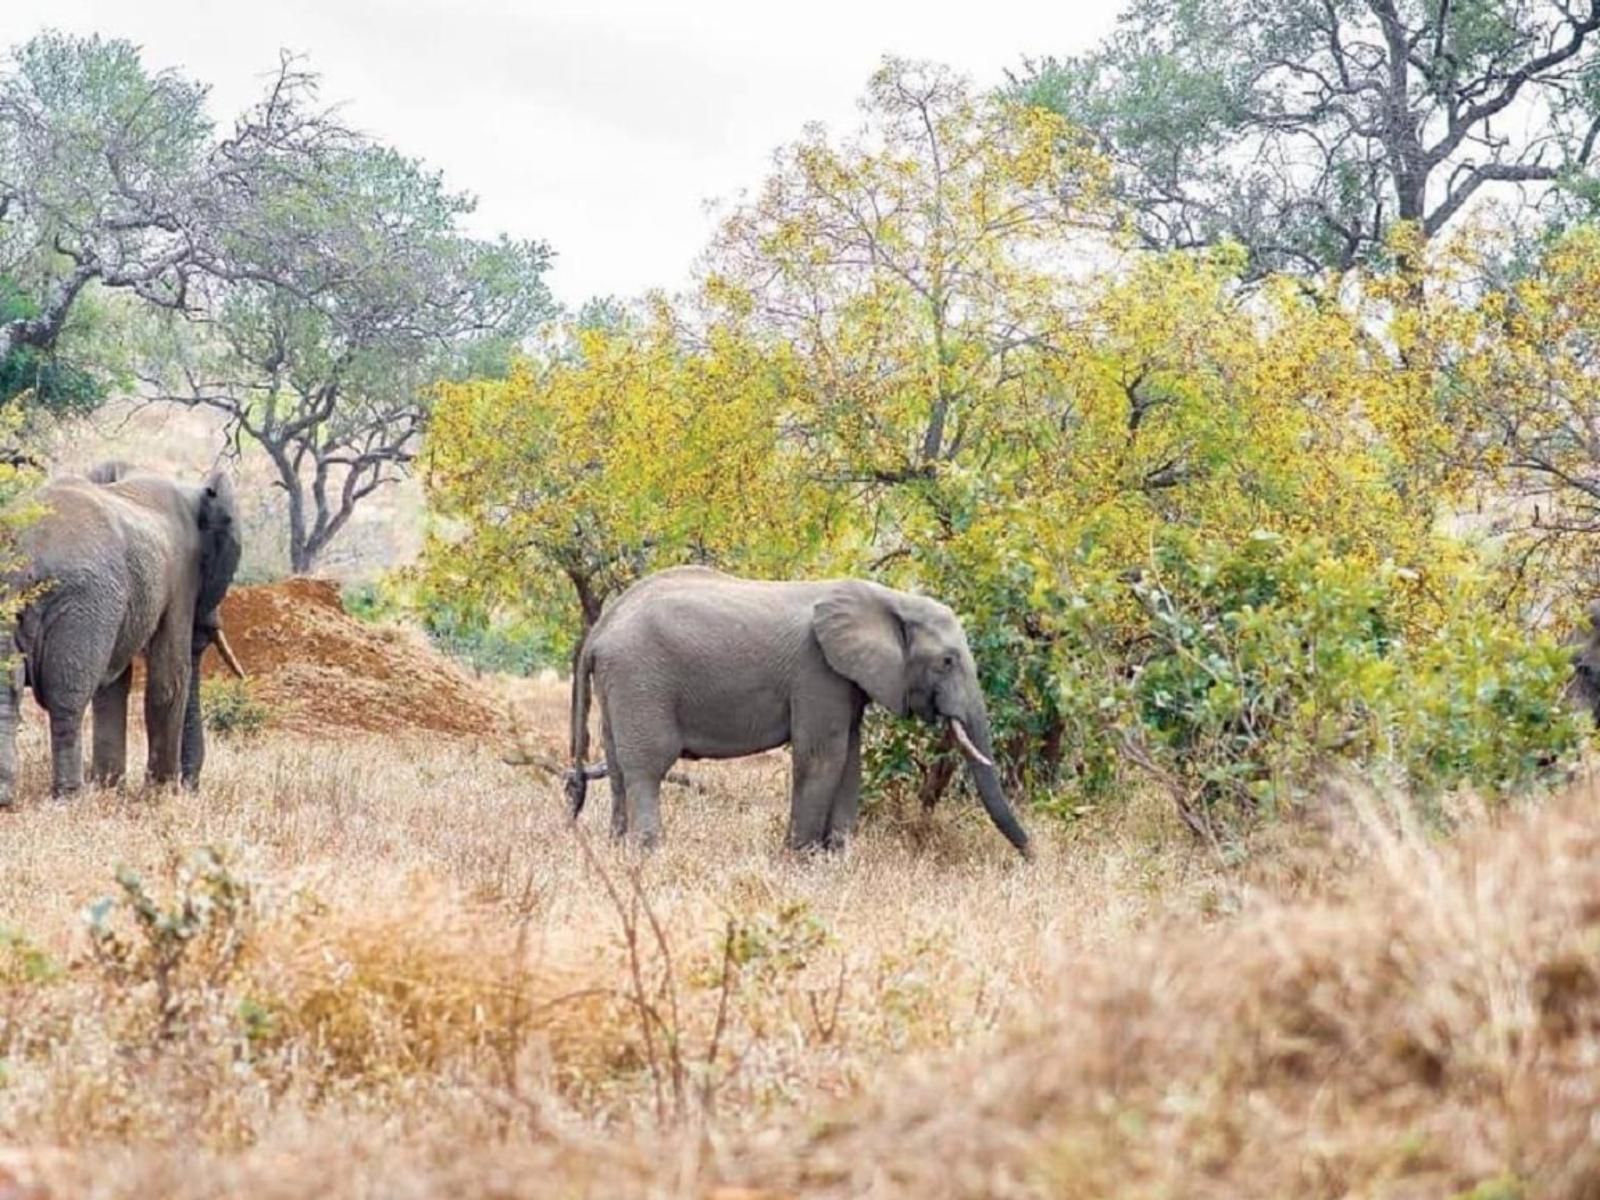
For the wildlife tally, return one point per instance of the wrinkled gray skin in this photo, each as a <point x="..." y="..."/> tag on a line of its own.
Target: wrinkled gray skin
<point x="693" y="663"/>
<point x="131" y="563"/>
<point x="1584" y="689"/>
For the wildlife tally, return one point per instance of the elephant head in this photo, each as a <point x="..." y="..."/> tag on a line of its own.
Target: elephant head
<point x="1584" y="687"/>
<point x="217" y="519"/>
<point x="220" y="548"/>
<point x="910" y="654"/>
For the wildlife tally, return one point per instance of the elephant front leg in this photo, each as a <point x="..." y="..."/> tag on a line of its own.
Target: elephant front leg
<point x="847" y="796"/>
<point x="165" y="698"/>
<point x="817" y="766"/>
<point x="193" y="749"/>
<point x="110" y="760"/>
<point x="10" y="702"/>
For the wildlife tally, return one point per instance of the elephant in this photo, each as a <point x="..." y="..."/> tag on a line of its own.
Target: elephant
<point x="120" y="563"/>
<point x="694" y="663"/>
<point x="1584" y="687"/>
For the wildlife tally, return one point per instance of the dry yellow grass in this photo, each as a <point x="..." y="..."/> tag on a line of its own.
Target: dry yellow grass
<point x="433" y="991"/>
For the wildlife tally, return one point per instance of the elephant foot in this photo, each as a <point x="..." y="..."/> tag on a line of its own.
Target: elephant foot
<point x="817" y="848"/>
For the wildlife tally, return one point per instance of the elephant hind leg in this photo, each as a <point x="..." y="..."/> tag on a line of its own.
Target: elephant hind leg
<point x="644" y="809"/>
<point x="66" y="748"/>
<point x="642" y="743"/>
<point x="615" y="776"/>
<point x="110" y="761"/>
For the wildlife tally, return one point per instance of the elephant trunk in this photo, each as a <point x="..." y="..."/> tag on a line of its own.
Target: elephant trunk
<point x="979" y="751"/>
<point x="193" y="752"/>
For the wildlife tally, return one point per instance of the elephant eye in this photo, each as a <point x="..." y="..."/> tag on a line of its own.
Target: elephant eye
<point x="949" y="661"/>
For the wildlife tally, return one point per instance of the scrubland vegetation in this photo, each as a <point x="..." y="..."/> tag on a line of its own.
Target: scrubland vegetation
<point x="1248" y="425"/>
<point x="387" y="967"/>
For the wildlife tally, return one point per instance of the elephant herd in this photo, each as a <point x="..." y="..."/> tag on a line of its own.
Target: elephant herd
<point x="688" y="663"/>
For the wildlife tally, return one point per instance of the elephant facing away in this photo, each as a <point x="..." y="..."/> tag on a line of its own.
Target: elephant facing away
<point x="125" y="563"/>
<point x="694" y="663"/>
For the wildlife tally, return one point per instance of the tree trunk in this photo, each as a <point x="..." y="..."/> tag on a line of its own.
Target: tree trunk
<point x="590" y="602"/>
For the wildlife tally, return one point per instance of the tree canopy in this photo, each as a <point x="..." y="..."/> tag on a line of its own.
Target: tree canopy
<point x="1305" y="130"/>
<point x="112" y="176"/>
<point x="625" y="448"/>
<point x="897" y="365"/>
<point x="351" y="291"/>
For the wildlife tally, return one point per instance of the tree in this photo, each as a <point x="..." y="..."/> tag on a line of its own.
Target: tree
<point x="347" y="291"/>
<point x="110" y="176"/>
<point x="1010" y="436"/>
<point x="626" y="447"/>
<point x="911" y="269"/>
<point x="916" y="272"/>
<point x="1304" y="130"/>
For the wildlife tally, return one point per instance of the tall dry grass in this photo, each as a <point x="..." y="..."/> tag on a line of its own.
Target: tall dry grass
<point x="428" y="985"/>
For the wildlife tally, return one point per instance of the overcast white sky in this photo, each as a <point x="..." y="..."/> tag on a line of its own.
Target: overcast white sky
<point x="601" y="127"/>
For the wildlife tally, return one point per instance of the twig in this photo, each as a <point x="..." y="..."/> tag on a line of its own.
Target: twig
<point x="724" y="988"/>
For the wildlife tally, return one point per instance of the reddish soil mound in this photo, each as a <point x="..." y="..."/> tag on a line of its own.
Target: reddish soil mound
<point x="321" y="670"/>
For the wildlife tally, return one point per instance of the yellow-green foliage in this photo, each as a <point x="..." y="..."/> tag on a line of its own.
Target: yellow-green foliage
<point x="631" y="449"/>
<point x="890" y="369"/>
<point x="1521" y="402"/>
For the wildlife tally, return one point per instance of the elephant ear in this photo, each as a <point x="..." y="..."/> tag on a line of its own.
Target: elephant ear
<point x="864" y="639"/>
<point x="219" y="543"/>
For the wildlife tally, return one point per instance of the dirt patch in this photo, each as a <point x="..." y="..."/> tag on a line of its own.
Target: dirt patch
<point x="322" y="671"/>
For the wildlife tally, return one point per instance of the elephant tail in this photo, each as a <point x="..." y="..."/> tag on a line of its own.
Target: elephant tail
<point x="577" y="779"/>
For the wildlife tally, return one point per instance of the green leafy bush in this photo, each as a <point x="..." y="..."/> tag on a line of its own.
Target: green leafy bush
<point x="509" y="648"/>
<point x="520" y="647"/>
<point x="228" y="707"/>
<point x="1248" y="668"/>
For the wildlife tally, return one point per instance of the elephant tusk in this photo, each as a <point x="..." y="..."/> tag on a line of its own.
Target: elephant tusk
<point x="965" y="741"/>
<point x="227" y="654"/>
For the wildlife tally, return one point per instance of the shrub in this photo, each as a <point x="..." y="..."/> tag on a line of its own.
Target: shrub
<point x="228" y="707"/>
<point x="192" y="943"/>
<point x="510" y="647"/>
<point x="1246" y="668"/>
<point x="505" y="647"/>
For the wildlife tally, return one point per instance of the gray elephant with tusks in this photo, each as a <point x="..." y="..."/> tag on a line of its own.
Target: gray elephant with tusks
<point x="693" y="663"/>
<point x="124" y="563"/>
